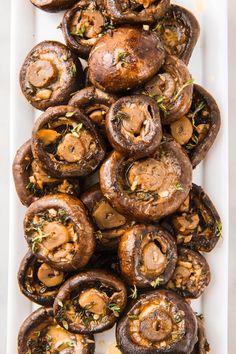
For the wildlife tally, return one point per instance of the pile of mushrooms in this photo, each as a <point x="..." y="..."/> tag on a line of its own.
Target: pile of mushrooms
<point x="115" y="227"/>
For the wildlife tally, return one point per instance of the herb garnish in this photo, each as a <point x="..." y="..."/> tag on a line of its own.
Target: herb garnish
<point x="77" y="128"/>
<point x="178" y="187"/>
<point x="38" y="239"/>
<point x="156" y="282"/>
<point x="119" y="116"/>
<point x="198" y="109"/>
<point x="133" y="317"/>
<point x="114" y="308"/>
<point x="188" y="83"/>
<point x="73" y="69"/>
<point x="134" y="292"/>
<point x="219" y="229"/>
<point x="121" y="57"/>
<point x="79" y="32"/>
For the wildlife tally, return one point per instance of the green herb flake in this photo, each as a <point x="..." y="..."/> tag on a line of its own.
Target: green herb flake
<point x="178" y="187"/>
<point x="219" y="229"/>
<point x="65" y="324"/>
<point x="157" y="27"/>
<point x="73" y="69"/>
<point x="188" y="83"/>
<point x="80" y="31"/>
<point x="114" y="308"/>
<point x="156" y="282"/>
<point x="198" y="109"/>
<point x="69" y="114"/>
<point x="134" y="292"/>
<point x="77" y="128"/>
<point x="121" y="57"/>
<point x="38" y="239"/>
<point x="133" y="317"/>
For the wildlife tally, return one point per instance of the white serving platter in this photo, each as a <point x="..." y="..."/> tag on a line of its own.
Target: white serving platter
<point x="209" y="68"/>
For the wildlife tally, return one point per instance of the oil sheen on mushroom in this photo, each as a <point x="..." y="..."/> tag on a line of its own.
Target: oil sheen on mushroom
<point x="59" y="232"/>
<point x="157" y="322"/>
<point x="90" y="302"/>
<point x="133" y="125"/>
<point x="147" y="255"/>
<point x="49" y="74"/>
<point x="41" y="334"/>
<point x="53" y="5"/>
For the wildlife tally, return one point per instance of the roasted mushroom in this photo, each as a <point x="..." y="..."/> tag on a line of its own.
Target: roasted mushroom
<point x="136" y="11"/>
<point x="192" y="274"/>
<point x="179" y="31"/>
<point x="41" y="334"/>
<point x="32" y="182"/>
<point x="59" y="232"/>
<point x="150" y="188"/>
<point x="83" y="25"/>
<point x="172" y="88"/>
<point x="202" y="346"/>
<point x="198" y="129"/>
<point x="39" y="281"/>
<point x="49" y="74"/>
<point x="90" y="302"/>
<point x="67" y="143"/>
<point x="158" y="322"/>
<point x="133" y="126"/>
<point x="147" y="255"/>
<point x="53" y="5"/>
<point x="109" y="223"/>
<point x="196" y="224"/>
<point x="125" y="58"/>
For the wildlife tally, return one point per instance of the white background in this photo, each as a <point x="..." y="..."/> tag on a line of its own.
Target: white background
<point x="5" y="168"/>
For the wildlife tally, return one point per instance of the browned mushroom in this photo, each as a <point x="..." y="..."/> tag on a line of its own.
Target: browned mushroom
<point x="41" y="334"/>
<point x="53" y="5"/>
<point x="125" y="58"/>
<point x="90" y="302"/>
<point x="133" y="126"/>
<point x="192" y="274"/>
<point x="49" y="74"/>
<point x="147" y="189"/>
<point x="157" y="322"/>
<point x="202" y="346"/>
<point x="147" y="255"/>
<point x="179" y="31"/>
<point x="67" y="143"/>
<point x="59" y="232"/>
<point x="136" y="11"/>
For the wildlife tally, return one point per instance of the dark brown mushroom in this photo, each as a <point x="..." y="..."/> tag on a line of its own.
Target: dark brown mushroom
<point x="41" y="334"/>
<point x="83" y="25"/>
<point x="157" y="322"/>
<point x="136" y="11"/>
<point x="38" y="281"/>
<point x="202" y="346"/>
<point x="196" y="223"/>
<point x="150" y="188"/>
<point x="67" y="142"/>
<point x="179" y="31"/>
<point x="90" y="302"/>
<point x="59" y="232"/>
<point x="32" y="182"/>
<point x="107" y="259"/>
<point x="110" y="225"/>
<point x="198" y="129"/>
<point x="172" y="88"/>
<point x="133" y="126"/>
<point x="53" y="5"/>
<point x="148" y="256"/>
<point x="49" y="74"/>
<point x="192" y="274"/>
<point x="125" y="58"/>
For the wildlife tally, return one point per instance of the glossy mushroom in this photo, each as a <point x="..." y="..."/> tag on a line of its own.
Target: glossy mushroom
<point x="147" y="255"/>
<point x="67" y="142"/>
<point x="53" y="5"/>
<point x="124" y="58"/>
<point x="59" y="232"/>
<point x="179" y="31"/>
<point x="202" y="346"/>
<point x="192" y="274"/>
<point x="32" y="182"/>
<point x="41" y="334"/>
<point x="150" y="188"/>
<point x="133" y="126"/>
<point x="90" y="302"/>
<point x="136" y="11"/>
<point x="49" y="74"/>
<point x="157" y="322"/>
<point x="38" y="281"/>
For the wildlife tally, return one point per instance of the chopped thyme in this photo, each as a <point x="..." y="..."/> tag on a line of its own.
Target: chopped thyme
<point x="178" y="187"/>
<point x="134" y="292"/>
<point x="69" y="114"/>
<point x="77" y="128"/>
<point x="121" y="57"/>
<point x="198" y="109"/>
<point x="119" y="117"/>
<point x="65" y="324"/>
<point x="219" y="229"/>
<point x="157" y="27"/>
<point x="156" y="282"/>
<point x="133" y="317"/>
<point x="188" y="83"/>
<point x="114" y="308"/>
<point x="38" y="239"/>
<point x="79" y="32"/>
<point x="73" y="69"/>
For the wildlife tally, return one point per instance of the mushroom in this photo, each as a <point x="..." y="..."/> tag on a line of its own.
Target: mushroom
<point x="75" y="147"/>
<point x="196" y="224"/>
<point x="90" y="302"/>
<point x="172" y="88"/>
<point x="179" y="31"/>
<point x="49" y="74"/>
<point x="136" y="11"/>
<point x="59" y="232"/>
<point x="83" y="25"/>
<point x="38" y="281"/>
<point x="192" y="274"/>
<point x="110" y="224"/>
<point x="147" y="256"/>
<point x="157" y="322"/>
<point x="53" y="5"/>
<point x="202" y="346"/>
<point x="150" y="188"/>
<point x="41" y="334"/>
<point x="133" y="126"/>
<point x="124" y="58"/>
<point x="32" y="182"/>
